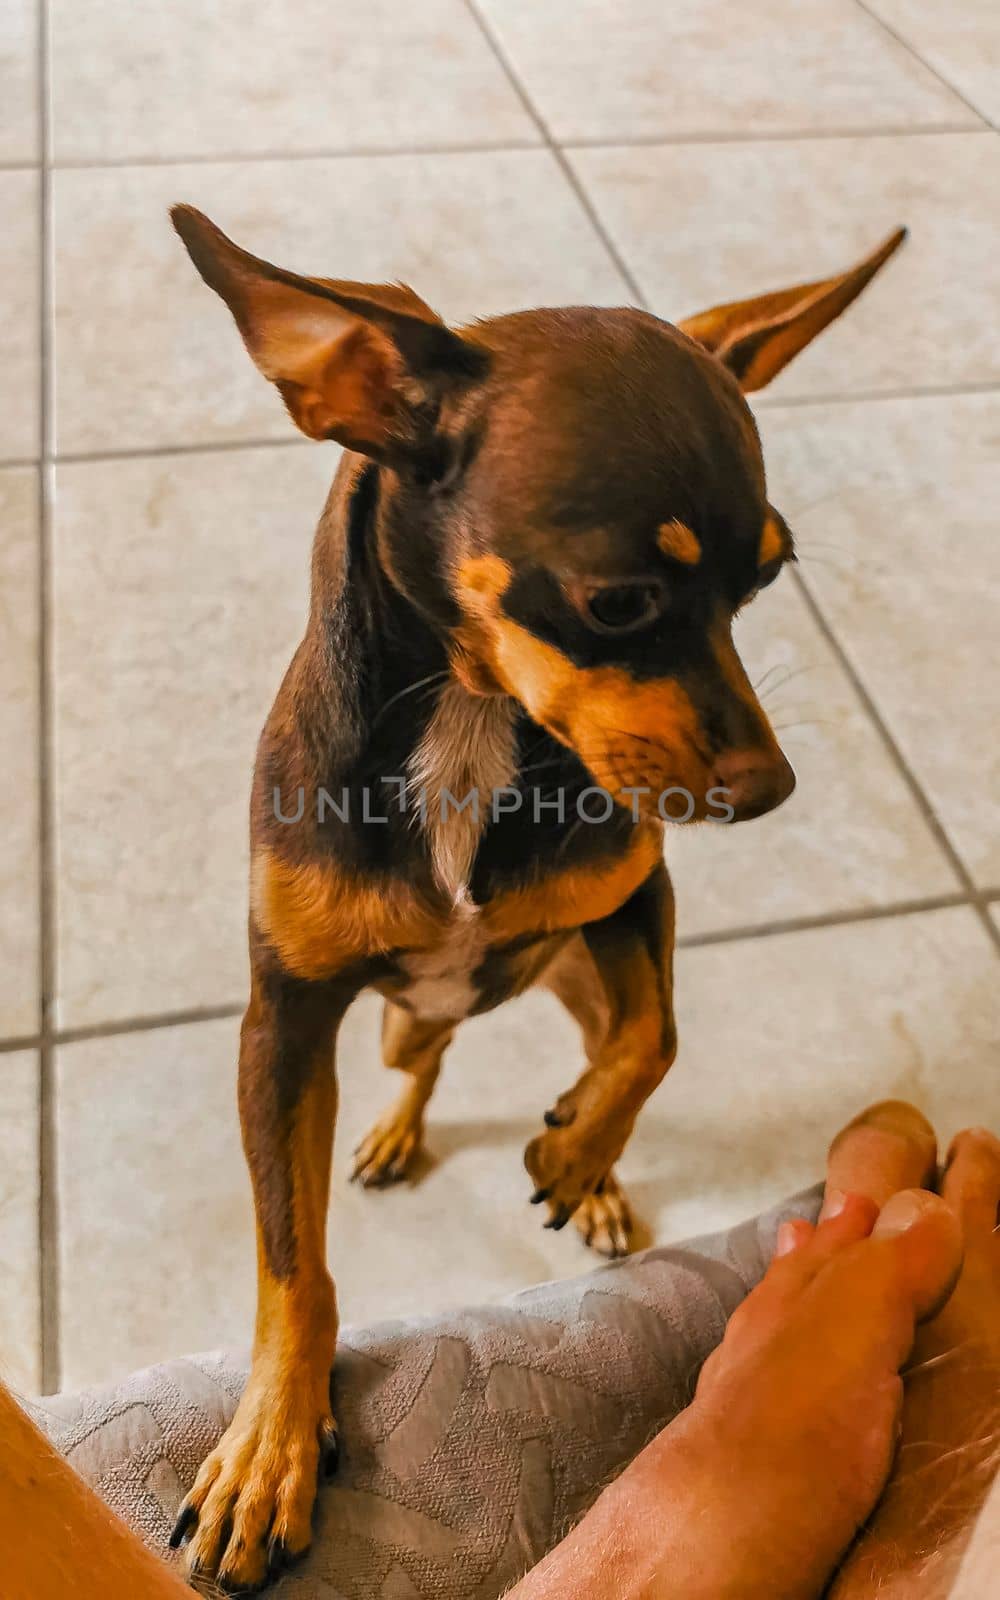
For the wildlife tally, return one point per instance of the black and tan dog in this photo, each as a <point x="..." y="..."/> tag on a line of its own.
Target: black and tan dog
<point x="523" y="587"/>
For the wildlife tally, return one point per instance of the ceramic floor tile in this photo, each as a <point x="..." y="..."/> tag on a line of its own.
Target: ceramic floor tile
<point x="19" y="80"/>
<point x="19" y="1267"/>
<point x="738" y="219"/>
<point x="154" y="1201"/>
<point x="898" y="497"/>
<point x="626" y="69"/>
<point x="179" y="595"/>
<point x="147" y="356"/>
<point x="782" y="1040"/>
<point x="194" y="80"/>
<point x="849" y="838"/>
<point x="19" y="369"/>
<point x="19" y="742"/>
<point x="962" y="42"/>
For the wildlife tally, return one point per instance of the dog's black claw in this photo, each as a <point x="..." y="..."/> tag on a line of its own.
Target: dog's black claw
<point x="559" y="1220"/>
<point x="279" y="1558"/>
<point x="233" y="1586"/>
<point x="540" y="1195"/>
<point x="554" y="1118"/>
<point x="183" y="1526"/>
<point x="329" y="1454"/>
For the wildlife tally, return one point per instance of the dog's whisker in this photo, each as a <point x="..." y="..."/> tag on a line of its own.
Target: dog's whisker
<point x="776" y="666"/>
<point x="835" y="563"/>
<point x="805" y="722"/>
<point x="641" y="738"/>
<point x="790" y="675"/>
<point x="810" y="505"/>
<point x="411" y="688"/>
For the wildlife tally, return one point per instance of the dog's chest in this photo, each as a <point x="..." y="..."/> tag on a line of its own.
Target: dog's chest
<point x="440" y="982"/>
<point x="467" y="752"/>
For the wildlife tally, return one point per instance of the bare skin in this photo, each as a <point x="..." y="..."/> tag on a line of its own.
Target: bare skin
<point x="760" y="1486"/>
<point x="950" y="1439"/>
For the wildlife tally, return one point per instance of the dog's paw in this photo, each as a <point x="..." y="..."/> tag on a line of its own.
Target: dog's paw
<point x="249" y="1514"/>
<point x="567" y="1170"/>
<point x="605" y="1219"/>
<point x="388" y="1153"/>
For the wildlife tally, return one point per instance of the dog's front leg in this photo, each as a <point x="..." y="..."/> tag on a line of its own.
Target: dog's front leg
<point x="617" y="979"/>
<point x="250" y="1509"/>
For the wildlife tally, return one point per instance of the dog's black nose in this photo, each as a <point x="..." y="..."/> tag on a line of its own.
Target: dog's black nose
<point x="754" y="781"/>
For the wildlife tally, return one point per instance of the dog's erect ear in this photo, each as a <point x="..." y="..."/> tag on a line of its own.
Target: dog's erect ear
<point x="756" y="338"/>
<point x="360" y="363"/>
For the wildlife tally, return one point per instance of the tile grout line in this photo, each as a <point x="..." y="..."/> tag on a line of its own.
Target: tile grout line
<point x="29" y="1041"/>
<point x="837" y="397"/>
<point x="226" y="446"/>
<point x="974" y="896"/>
<point x="217" y="447"/>
<point x="48" y="1193"/>
<point x="191" y="1016"/>
<point x="636" y="141"/>
<point x="829" y="919"/>
<point x="149" y="1024"/>
<point x="112" y="1028"/>
<point x="645" y="141"/>
<point x="229" y="158"/>
<point x="233" y="158"/>
<point x="583" y="198"/>
<point x="912" y="50"/>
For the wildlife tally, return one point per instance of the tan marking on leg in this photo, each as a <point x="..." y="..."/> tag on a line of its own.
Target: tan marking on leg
<point x="591" y="1123"/>
<point x="574" y="979"/>
<point x="414" y="1047"/>
<point x="677" y="541"/>
<point x="253" y="1497"/>
<point x="320" y="918"/>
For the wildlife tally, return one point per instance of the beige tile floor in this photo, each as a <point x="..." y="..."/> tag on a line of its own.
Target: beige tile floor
<point x="155" y="514"/>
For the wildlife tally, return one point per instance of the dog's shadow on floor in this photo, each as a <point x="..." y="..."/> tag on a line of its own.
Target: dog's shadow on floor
<point x="681" y="1161"/>
<point x="445" y="1140"/>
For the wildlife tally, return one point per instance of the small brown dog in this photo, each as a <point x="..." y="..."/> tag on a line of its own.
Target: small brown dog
<point x="538" y="537"/>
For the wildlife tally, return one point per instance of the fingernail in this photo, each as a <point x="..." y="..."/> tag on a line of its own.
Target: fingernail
<point x="786" y="1240"/>
<point x="903" y="1210"/>
<point x="833" y="1203"/>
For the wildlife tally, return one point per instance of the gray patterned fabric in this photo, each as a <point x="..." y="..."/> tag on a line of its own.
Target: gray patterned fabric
<point x="472" y="1440"/>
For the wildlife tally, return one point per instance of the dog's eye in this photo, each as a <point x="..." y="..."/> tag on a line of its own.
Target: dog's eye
<point x="624" y="607"/>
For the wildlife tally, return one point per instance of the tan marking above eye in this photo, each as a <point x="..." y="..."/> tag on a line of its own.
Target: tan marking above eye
<point x="772" y="543"/>
<point x="677" y="541"/>
<point x="482" y="578"/>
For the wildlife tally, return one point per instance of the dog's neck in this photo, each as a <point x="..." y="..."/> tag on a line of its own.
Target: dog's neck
<point x="392" y="709"/>
<point x="468" y="751"/>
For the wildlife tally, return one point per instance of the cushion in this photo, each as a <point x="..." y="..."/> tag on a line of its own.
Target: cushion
<point x="472" y="1440"/>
